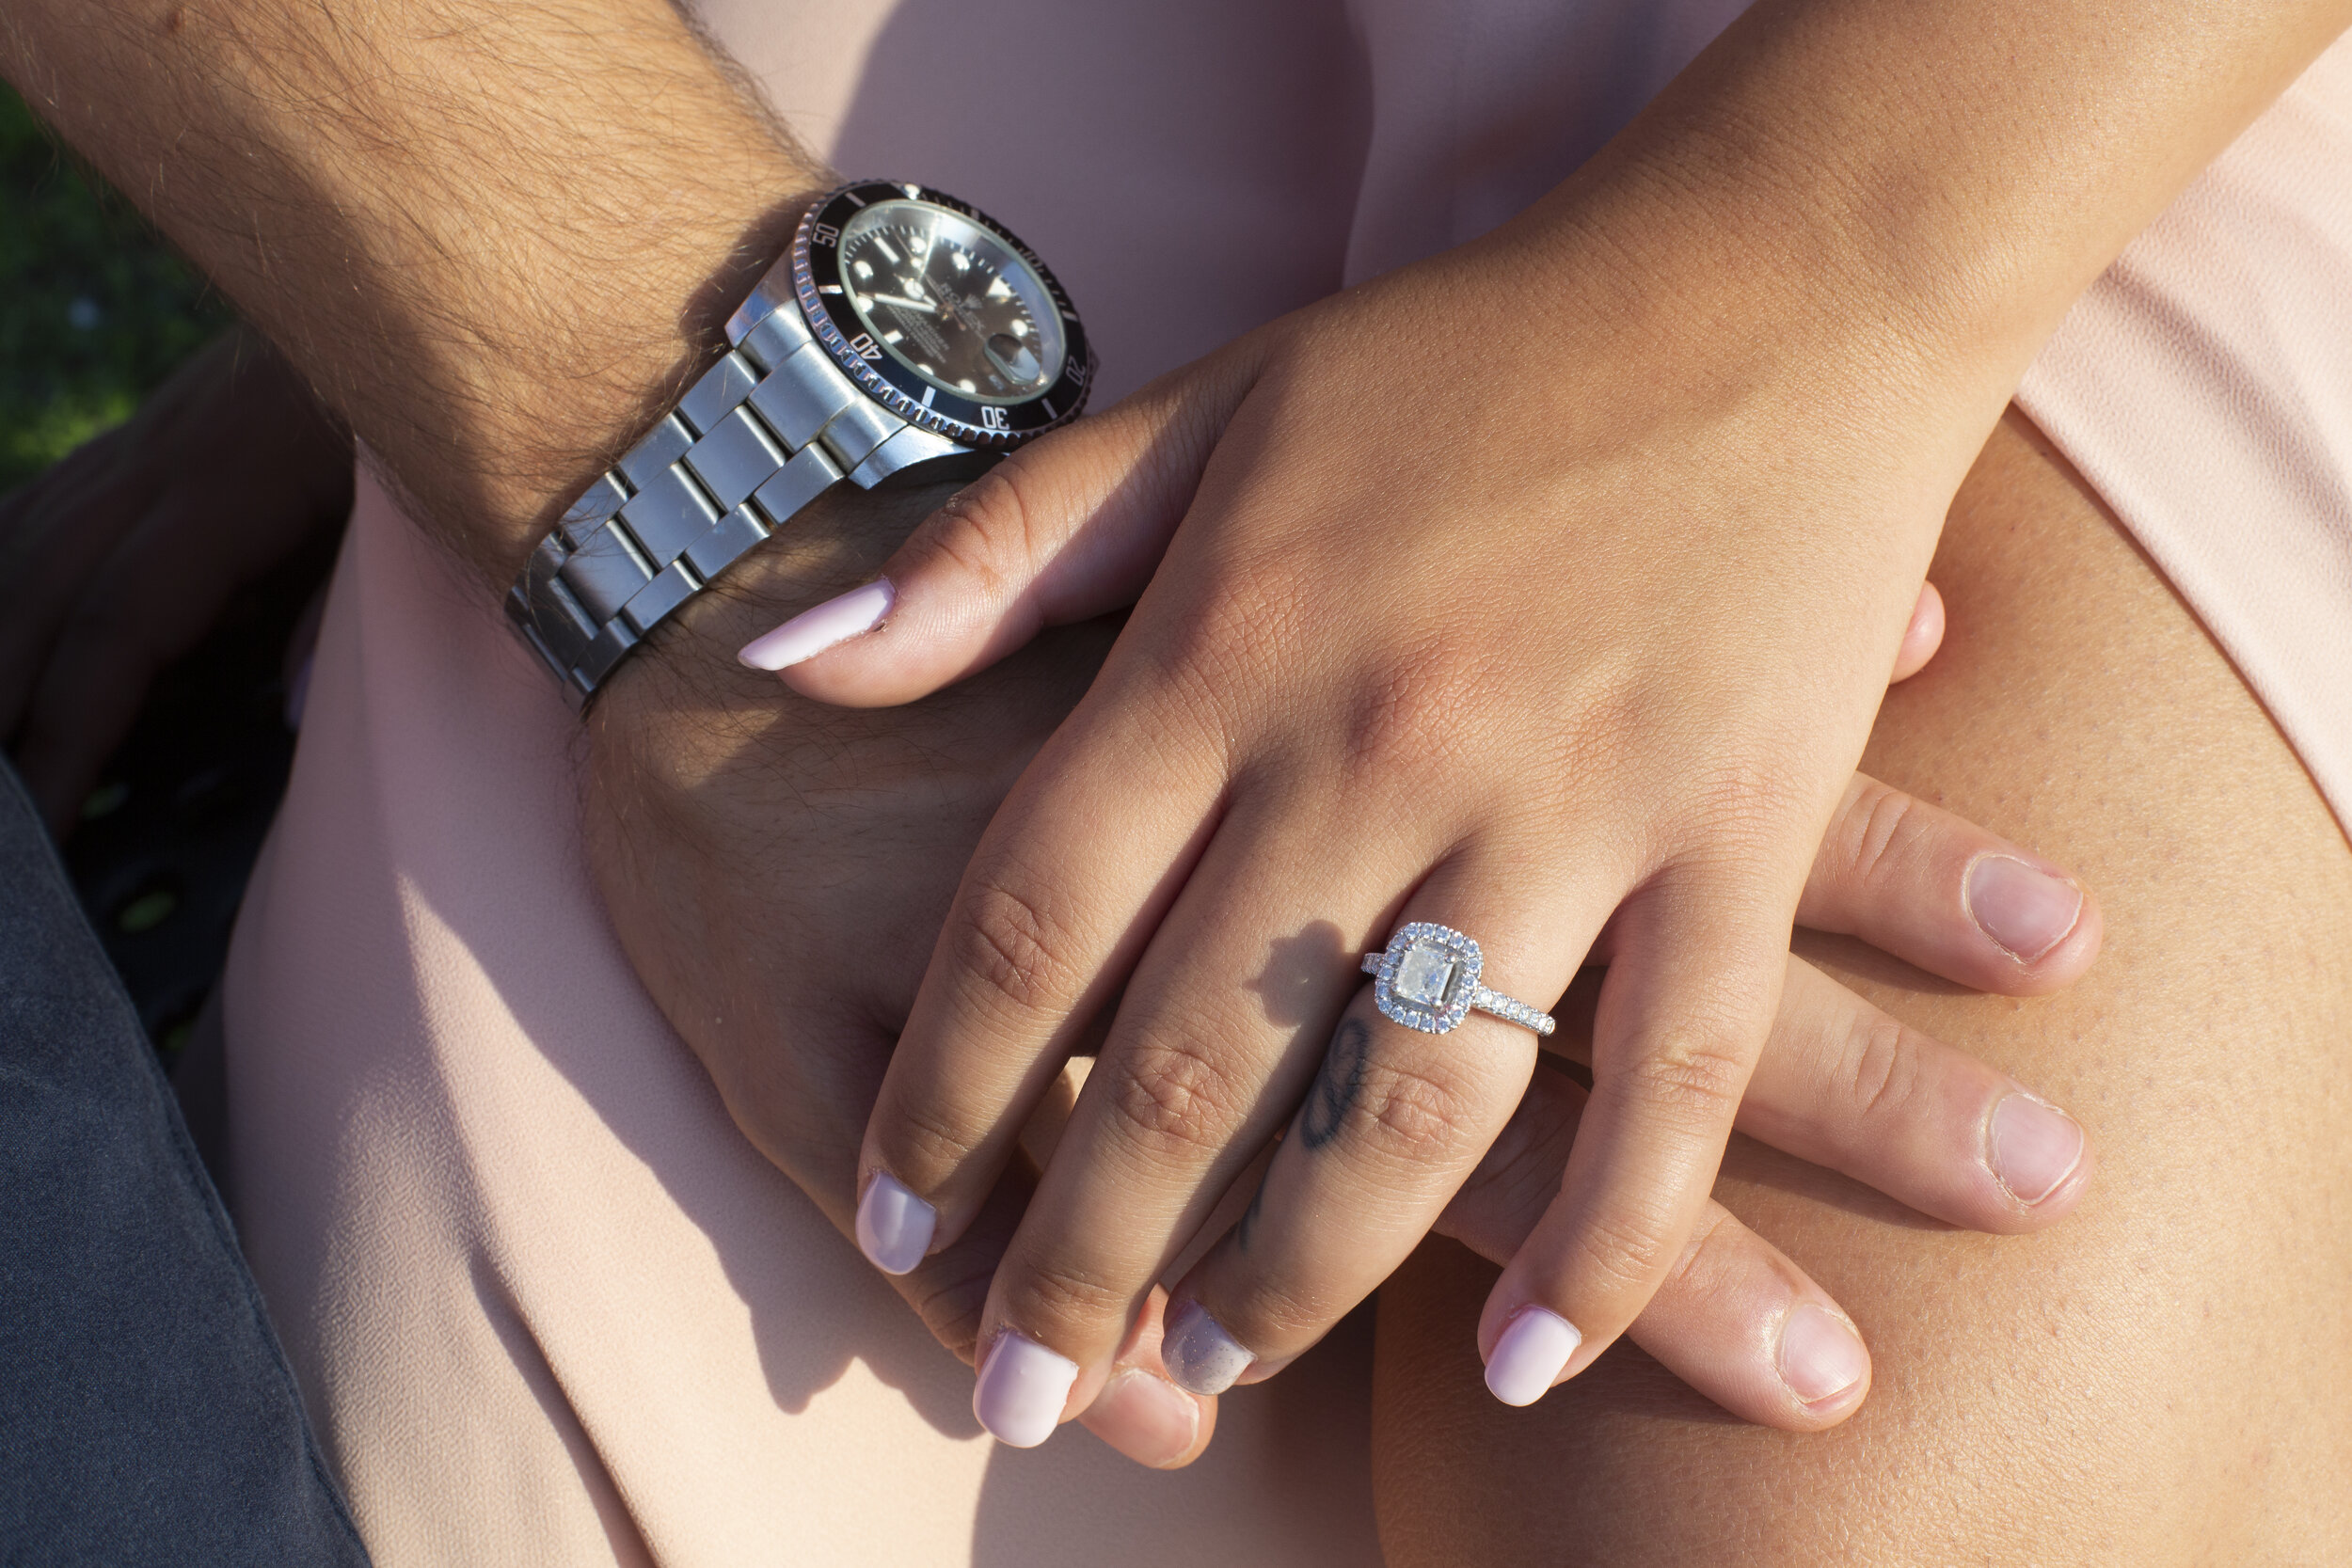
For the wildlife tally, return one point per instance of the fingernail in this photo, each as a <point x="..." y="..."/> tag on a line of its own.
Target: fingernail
<point x="1198" y="1354"/>
<point x="1148" y="1418"/>
<point x="2026" y="911"/>
<point x="1820" y="1355"/>
<point x="1022" y="1389"/>
<point x="812" y="631"/>
<point x="2032" y="1147"/>
<point x="1528" y="1358"/>
<point x="894" y="1226"/>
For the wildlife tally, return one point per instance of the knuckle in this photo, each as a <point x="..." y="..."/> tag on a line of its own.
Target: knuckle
<point x="924" y="1142"/>
<point x="1272" y="1316"/>
<point x="1630" y="1251"/>
<point x="1411" y="1114"/>
<point x="1414" y="710"/>
<point x="1169" y="1097"/>
<point x="1686" y="1266"/>
<point x="1700" y="1074"/>
<point x="1011" y="945"/>
<point x="1877" y="817"/>
<point x="1066" y="1297"/>
<point x="986" y="531"/>
<point x="1879" y="1074"/>
<point x="1742" y="800"/>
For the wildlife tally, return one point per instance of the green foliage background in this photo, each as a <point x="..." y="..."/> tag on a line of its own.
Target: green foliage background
<point x="94" y="309"/>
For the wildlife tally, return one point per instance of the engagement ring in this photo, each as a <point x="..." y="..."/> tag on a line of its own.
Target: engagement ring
<point x="1428" y="980"/>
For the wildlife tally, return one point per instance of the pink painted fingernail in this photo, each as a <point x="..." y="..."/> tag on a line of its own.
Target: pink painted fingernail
<point x="812" y="631"/>
<point x="894" y="1226"/>
<point x="1148" y="1418"/>
<point x="1528" y="1358"/>
<point x="2032" y="1147"/>
<point x="1820" y="1355"/>
<point x="2026" y="911"/>
<point x="1198" y="1354"/>
<point x="1022" y="1389"/>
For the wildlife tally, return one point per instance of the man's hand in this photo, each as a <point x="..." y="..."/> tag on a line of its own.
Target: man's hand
<point x="778" y="871"/>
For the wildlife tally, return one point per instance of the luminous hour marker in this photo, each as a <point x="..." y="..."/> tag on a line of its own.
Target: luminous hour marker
<point x="864" y="302"/>
<point x="888" y="255"/>
<point x="863" y="267"/>
<point x="1020" y="328"/>
<point x="1000" y="289"/>
<point x="966" y="385"/>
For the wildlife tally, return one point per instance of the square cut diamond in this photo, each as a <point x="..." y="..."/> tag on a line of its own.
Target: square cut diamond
<point x="1425" y="973"/>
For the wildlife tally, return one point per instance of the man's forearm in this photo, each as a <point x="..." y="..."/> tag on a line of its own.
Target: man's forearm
<point x="493" y="236"/>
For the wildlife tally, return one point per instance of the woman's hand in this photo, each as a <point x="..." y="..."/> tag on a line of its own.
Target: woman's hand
<point x="122" y="556"/>
<point x="1543" y="585"/>
<point x="1506" y="598"/>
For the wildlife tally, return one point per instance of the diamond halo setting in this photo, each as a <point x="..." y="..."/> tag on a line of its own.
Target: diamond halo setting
<point x="1428" y="979"/>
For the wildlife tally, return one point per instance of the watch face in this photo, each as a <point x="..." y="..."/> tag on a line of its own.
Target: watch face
<point x="951" y="301"/>
<point x="941" y="314"/>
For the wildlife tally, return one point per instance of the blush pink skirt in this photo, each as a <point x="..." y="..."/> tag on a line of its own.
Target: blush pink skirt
<point x="545" y="1303"/>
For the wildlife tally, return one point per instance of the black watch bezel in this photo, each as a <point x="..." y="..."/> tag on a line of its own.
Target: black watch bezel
<point x="817" y="283"/>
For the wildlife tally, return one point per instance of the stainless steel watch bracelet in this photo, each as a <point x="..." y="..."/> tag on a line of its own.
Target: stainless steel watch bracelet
<point x="766" y="430"/>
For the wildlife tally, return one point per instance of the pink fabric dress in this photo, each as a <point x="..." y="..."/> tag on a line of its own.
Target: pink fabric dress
<point x="545" y="1303"/>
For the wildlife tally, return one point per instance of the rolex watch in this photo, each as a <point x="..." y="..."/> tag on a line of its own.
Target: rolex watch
<point x="905" y="333"/>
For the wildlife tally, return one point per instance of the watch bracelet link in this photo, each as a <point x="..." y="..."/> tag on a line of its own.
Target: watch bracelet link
<point x="763" y="433"/>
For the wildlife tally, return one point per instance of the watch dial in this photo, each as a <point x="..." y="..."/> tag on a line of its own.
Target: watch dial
<point x="951" y="302"/>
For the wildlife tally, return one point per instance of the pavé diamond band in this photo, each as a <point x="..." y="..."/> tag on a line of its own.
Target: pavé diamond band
<point x="1428" y="980"/>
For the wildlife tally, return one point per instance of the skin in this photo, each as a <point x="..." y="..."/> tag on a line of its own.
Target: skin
<point x="2154" y="1383"/>
<point x="1360" y="701"/>
<point x="393" y="200"/>
<point x="396" y="206"/>
<point x="835" y="836"/>
<point x="852" y="873"/>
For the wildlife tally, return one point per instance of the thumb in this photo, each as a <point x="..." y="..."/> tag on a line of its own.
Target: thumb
<point x="1063" y="531"/>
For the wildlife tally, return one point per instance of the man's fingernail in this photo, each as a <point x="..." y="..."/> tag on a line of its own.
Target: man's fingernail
<point x="1148" y="1418"/>
<point x="1198" y="1354"/>
<point x="894" y="1226"/>
<point x="1022" y="1389"/>
<point x="812" y="631"/>
<point x="1820" y="1355"/>
<point x="1528" y="1358"/>
<point x="2032" y="1147"/>
<point x="2026" y="911"/>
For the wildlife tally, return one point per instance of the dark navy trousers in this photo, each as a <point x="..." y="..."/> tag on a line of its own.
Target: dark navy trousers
<point x="147" y="1414"/>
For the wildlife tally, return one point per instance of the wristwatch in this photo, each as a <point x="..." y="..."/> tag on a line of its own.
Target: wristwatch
<point x="905" y="333"/>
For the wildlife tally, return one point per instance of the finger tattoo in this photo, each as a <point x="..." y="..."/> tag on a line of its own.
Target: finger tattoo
<point x="1336" y="1085"/>
<point x="1249" y="1217"/>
